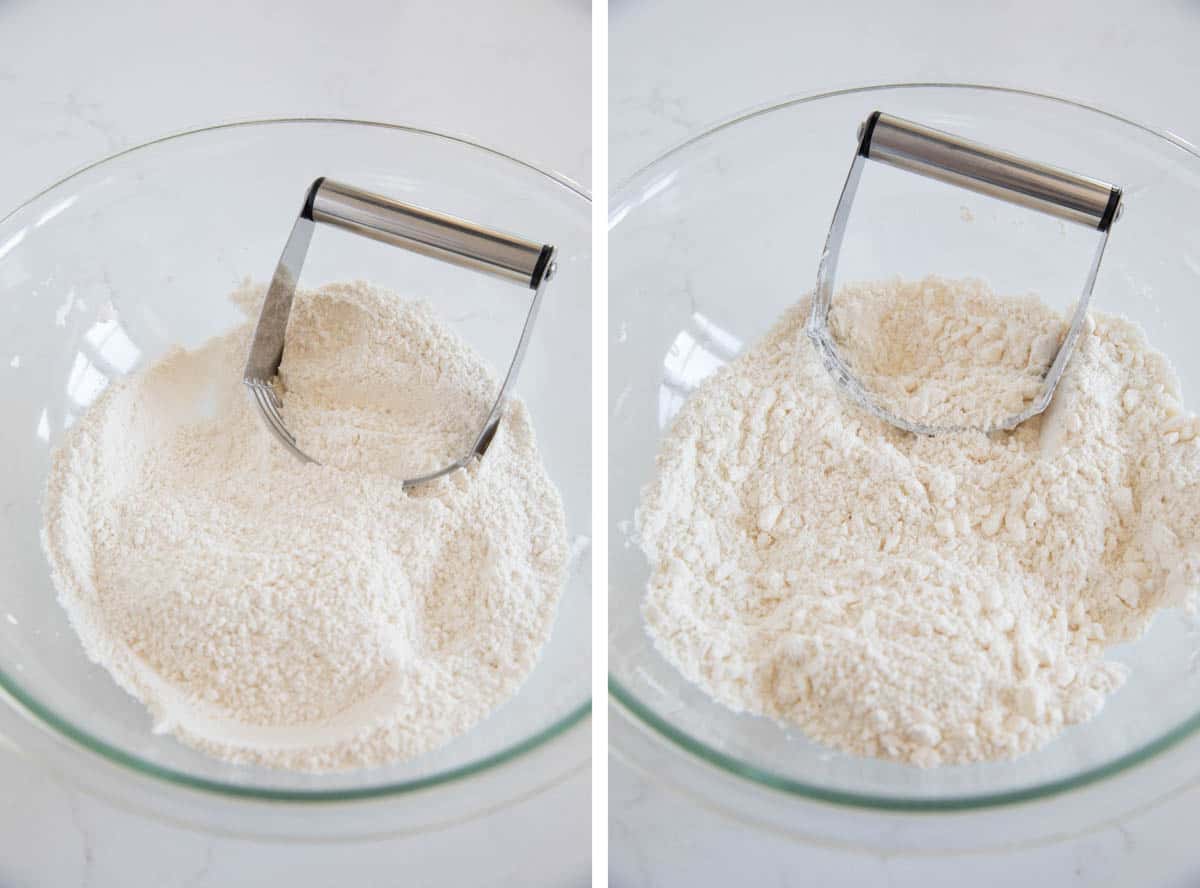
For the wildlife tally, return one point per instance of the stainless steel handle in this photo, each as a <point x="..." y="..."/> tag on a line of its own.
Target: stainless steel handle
<point x="938" y="155"/>
<point x="432" y="234"/>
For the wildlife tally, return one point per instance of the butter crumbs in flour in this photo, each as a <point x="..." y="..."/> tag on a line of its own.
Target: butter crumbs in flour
<point x="313" y="617"/>
<point x="931" y="600"/>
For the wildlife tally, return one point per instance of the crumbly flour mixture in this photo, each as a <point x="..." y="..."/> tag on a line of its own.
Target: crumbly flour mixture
<point x="963" y="360"/>
<point x="313" y="617"/>
<point x="931" y="600"/>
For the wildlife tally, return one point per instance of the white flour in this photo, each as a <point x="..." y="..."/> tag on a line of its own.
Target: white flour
<point x="961" y="359"/>
<point x="304" y="616"/>
<point x="930" y="600"/>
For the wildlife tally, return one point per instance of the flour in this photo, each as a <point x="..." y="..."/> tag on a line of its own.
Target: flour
<point x="931" y="600"/>
<point x="943" y="353"/>
<point x="313" y="617"/>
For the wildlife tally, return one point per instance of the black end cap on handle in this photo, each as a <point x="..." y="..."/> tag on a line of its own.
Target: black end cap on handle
<point x="1110" y="210"/>
<point x="865" y="133"/>
<point x="306" y="213"/>
<point x="539" y="268"/>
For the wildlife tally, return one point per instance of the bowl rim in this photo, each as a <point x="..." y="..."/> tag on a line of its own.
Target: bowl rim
<point x="11" y="690"/>
<point x="630" y="706"/>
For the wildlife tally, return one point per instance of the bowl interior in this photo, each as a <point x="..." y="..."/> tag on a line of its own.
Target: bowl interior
<point x="711" y="242"/>
<point x="157" y="237"/>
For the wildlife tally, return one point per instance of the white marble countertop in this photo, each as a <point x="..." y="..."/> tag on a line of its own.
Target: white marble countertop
<point x="81" y="80"/>
<point x="678" y="66"/>
<point x="659" y="839"/>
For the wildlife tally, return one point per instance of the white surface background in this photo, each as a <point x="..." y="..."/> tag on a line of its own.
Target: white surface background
<point x="81" y="80"/>
<point x="677" y="66"/>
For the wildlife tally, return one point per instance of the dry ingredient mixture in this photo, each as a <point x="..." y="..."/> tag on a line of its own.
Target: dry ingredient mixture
<point x="946" y="353"/>
<point x="313" y="617"/>
<point x="931" y="600"/>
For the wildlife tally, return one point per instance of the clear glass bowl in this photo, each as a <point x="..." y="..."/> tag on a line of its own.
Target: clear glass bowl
<point x="164" y="232"/>
<point x="710" y="242"/>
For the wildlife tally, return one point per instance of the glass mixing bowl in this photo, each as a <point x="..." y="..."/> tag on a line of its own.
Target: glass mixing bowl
<point x="157" y="236"/>
<point x="711" y="242"/>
